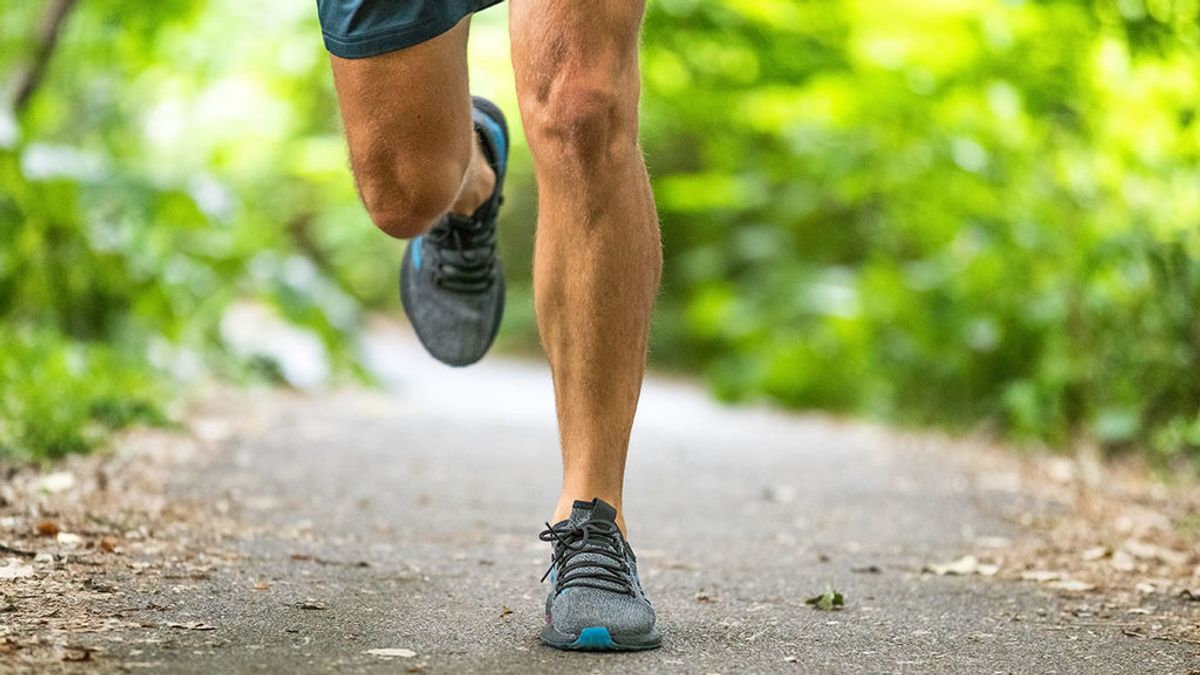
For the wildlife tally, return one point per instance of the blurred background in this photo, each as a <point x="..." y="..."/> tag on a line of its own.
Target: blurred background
<point x="974" y="214"/>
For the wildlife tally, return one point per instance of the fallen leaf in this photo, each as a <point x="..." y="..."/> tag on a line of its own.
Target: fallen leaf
<point x="392" y="653"/>
<point x="1071" y="585"/>
<point x="1146" y="551"/>
<point x="1123" y="562"/>
<point x="964" y="566"/>
<point x="191" y="625"/>
<point x="5" y="548"/>
<point x="108" y="544"/>
<point x="15" y="570"/>
<point x="304" y="557"/>
<point x="68" y="539"/>
<point x="77" y="654"/>
<point x="60" y="481"/>
<point x="262" y="586"/>
<point x="47" y="528"/>
<point x="1140" y="549"/>
<point x="99" y="586"/>
<point x="1041" y="576"/>
<point x="827" y="601"/>
<point x="505" y="611"/>
<point x="311" y="604"/>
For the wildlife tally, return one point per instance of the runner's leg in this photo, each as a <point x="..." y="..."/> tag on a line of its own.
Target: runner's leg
<point x="598" y="258"/>
<point x="407" y="115"/>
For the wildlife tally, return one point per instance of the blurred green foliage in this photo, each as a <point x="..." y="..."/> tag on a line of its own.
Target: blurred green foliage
<point x="950" y="212"/>
<point x="160" y="173"/>
<point x="954" y="212"/>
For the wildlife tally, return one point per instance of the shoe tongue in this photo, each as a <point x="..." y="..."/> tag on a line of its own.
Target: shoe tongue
<point x="597" y="509"/>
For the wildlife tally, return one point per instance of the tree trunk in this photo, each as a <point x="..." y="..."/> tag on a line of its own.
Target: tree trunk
<point x="29" y="77"/>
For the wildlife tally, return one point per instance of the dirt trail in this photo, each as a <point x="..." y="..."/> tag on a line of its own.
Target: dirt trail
<point x="295" y="533"/>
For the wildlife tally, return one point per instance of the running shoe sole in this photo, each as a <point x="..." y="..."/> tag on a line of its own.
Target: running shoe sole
<point x="598" y="639"/>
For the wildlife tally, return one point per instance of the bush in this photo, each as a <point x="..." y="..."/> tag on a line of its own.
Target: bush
<point x="956" y="213"/>
<point x="951" y="213"/>
<point x="59" y="396"/>
<point x="153" y="181"/>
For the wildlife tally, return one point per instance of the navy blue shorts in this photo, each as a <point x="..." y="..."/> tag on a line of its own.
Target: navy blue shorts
<point x="354" y="29"/>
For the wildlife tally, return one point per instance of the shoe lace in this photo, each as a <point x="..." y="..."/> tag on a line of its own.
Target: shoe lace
<point x="466" y="254"/>
<point x="604" y="566"/>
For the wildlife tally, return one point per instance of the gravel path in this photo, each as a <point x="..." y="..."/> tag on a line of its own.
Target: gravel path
<point x="407" y="520"/>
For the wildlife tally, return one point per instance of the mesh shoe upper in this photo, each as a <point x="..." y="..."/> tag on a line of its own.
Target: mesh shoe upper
<point x="594" y="574"/>
<point x="452" y="281"/>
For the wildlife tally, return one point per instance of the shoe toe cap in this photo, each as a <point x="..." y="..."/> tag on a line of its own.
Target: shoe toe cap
<point x="457" y="329"/>
<point x="577" y="608"/>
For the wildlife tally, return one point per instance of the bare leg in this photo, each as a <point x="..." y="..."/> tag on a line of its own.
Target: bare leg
<point x="408" y="124"/>
<point x="598" y="257"/>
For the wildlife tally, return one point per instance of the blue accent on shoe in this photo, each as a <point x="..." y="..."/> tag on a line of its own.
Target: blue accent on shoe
<point x="498" y="138"/>
<point x="595" y="637"/>
<point x="415" y="245"/>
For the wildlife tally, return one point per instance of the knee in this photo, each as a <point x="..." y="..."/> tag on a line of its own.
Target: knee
<point x="405" y="203"/>
<point x="583" y="121"/>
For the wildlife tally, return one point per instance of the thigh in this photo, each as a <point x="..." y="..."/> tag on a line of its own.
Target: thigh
<point x="408" y="109"/>
<point x="598" y="35"/>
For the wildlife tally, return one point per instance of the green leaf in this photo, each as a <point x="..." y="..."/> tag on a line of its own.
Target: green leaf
<point x="828" y="601"/>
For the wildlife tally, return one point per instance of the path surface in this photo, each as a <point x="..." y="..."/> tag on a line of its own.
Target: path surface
<point x="440" y="484"/>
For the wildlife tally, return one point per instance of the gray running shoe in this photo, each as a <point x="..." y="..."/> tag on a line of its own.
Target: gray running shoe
<point x="451" y="280"/>
<point x="597" y="603"/>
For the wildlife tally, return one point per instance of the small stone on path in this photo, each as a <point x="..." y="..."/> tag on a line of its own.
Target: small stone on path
<point x="392" y="653"/>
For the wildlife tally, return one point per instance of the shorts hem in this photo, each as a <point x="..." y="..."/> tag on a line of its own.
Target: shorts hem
<point x="395" y="39"/>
